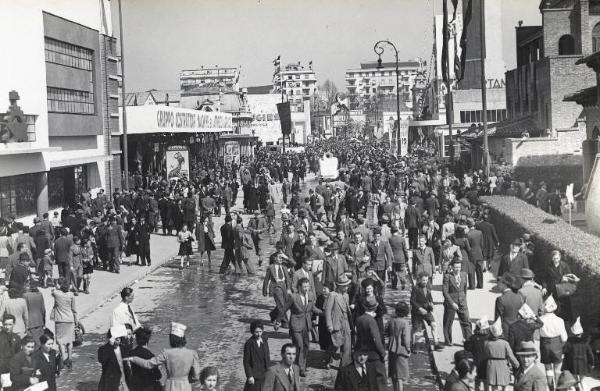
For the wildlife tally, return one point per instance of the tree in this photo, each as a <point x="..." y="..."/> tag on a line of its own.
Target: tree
<point x="328" y="91"/>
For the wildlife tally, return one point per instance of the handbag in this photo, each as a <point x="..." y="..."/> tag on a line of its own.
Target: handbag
<point x="565" y="289"/>
<point x="79" y="332"/>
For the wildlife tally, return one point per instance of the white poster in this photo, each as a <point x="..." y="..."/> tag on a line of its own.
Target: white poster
<point x="404" y="137"/>
<point x="231" y="152"/>
<point x="178" y="162"/>
<point x="328" y="166"/>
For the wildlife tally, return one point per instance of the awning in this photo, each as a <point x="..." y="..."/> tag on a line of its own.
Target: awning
<point x="77" y="161"/>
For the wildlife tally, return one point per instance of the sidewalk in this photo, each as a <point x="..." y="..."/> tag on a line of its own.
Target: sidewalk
<point x="106" y="285"/>
<point x="481" y="302"/>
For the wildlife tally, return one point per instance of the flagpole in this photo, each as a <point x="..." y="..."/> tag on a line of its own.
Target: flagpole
<point x="486" y="163"/>
<point x="449" y="103"/>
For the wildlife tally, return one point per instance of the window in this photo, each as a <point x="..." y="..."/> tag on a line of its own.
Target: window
<point x="566" y="45"/>
<point x="596" y="38"/>
<point x="18" y="195"/>
<point x="62" y="100"/>
<point x="63" y="53"/>
<point x="475" y="116"/>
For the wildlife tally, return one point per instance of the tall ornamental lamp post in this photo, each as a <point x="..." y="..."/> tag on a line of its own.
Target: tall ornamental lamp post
<point x="379" y="48"/>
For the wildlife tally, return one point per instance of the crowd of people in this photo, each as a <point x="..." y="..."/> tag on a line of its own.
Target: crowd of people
<point x="387" y="223"/>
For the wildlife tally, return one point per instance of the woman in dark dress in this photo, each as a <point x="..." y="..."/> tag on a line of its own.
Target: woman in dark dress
<point x="132" y="242"/>
<point x="558" y="272"/>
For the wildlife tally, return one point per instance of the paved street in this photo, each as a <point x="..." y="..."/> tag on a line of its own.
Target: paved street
<point x="217" y="309"/>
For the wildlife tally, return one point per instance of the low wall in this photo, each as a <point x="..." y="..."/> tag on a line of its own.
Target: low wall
<point x="512" y="217"/>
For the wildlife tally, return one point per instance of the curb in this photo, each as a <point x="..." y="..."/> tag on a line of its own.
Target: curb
<point x="115" y="291"/>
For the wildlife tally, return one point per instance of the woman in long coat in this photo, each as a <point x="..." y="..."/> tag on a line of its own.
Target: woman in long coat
<point x="181" y="364"/>
<point x="499" y="355"/>
<point x="205" y="237"/>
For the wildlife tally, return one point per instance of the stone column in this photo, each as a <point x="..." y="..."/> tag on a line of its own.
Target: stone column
<point x="42" y="192"/>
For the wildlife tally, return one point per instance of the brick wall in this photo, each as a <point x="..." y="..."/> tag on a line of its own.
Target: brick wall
<point x="559" y="22"/>
<point x="567" y="78"/>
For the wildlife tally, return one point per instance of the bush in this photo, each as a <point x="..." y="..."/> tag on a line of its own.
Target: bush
<point x="512" y="217"/>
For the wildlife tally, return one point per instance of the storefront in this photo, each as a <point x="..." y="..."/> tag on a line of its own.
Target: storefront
<point x="153" y="129"/>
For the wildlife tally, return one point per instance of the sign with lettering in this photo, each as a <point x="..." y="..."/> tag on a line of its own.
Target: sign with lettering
<point x="495" y="83"/>
<point x="167" y="119"/>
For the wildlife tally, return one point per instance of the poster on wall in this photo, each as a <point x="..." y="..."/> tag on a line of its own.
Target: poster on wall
<point x="178" y="162"/>
<point x="404" y="137"/>
<point x="231" y="152"/>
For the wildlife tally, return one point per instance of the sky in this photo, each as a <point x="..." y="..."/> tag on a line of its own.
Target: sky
<point x="163" y="37"/>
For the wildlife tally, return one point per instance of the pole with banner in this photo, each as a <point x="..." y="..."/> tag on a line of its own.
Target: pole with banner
<point x="403" y="137"/>
<point x="570" y="200"/>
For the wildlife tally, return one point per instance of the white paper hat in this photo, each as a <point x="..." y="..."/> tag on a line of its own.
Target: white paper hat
<point x="178" y="329"/>
<point x="483" y="323"/>
<point x="496" y="327"/>
<point x="526" y="312"/>
<point x="550" y="304"/>
<point x="576" y="329"/>
<point x="118" y="331"/>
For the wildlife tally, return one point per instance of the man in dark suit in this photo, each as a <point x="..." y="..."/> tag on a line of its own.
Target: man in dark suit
<point x="284" y="376"/>
<point x="412" y="219"/>
<point x="514" y="261"/>
<point x="278" y="284"/>
<point x="421" y="304"/>
<point x="454" y="289"/>
<point x="142" y="233"/>
<point x="381" y="255"/>
<point x="475" y="238"/>
<point x="368" y="338"/>
<point x="529" y="377"/>
<point x="302" y="307"/>
<point x="228" y="244"/>
<point x="62" y="253"/>
<point x="490" y="240"/>
<point x="10" y="342"/>
<point x="44" y="361"/>
<point x="256" y="357"/>
<point x="22" y="373"/>
<point x="358" y="376"/>
<point x="114" y="244"/>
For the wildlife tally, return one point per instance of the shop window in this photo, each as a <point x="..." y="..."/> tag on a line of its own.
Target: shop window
<point x="18" y="195"/>
<point x="56" y="188"/>
<point x="566" y="45"/>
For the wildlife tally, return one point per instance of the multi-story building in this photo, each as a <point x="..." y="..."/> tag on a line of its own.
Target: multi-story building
<point x="299" y="84"/>
<point x="227" y="76"/>
<point x="369" y="81"/>
<point x="68" y="96"/>
<point x="540" y="122"/>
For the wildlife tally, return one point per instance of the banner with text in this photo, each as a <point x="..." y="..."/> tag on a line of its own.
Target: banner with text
<point x="166" y="119"/>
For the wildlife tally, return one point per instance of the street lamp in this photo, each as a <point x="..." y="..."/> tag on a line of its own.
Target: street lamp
<point x="379" y="49"/>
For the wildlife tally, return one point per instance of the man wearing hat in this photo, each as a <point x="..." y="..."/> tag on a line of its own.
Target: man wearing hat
<point x="453" y="376"/>
<point x="514" y="261"/>
<point x="368" y="338"/>
<point x="532" y="292"/>
<point x="529" y="377"/>
<point x="359" y="375"/>
<point x="335" y="264"/>
<point x="337" y="318"/>
<point x="345" y="224"/>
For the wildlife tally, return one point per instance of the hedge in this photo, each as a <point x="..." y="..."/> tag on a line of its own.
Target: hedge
<point x="512" y="217"/>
